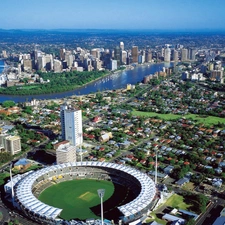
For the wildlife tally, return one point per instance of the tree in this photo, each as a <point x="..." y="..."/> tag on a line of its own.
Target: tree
<point x="191" y="222"/>
<point x="202" y="201"/>
<point x="49" y="146"/>
<point x="8" y="104"/>
<point x="28" y="110"/>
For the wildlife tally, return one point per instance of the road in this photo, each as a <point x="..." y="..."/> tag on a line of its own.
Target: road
<point x="212" y="212"/>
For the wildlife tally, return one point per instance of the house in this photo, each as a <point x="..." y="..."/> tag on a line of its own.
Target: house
<point x="162" y="127"/>
<point x="159" y="175"/>
<point x="22" y="164"/>
<point x="105" y="137"/>
<point x="14" y="109"/>
<point x="96" y="119"/>
<point x="173" y="219"/>
<point x="125" y="144"/>
<point x="190" y="214"/>
<point x="217" y="182"/>
<point x="182" y="181"/>
<point x="168" y="169"/>
<point x="219" y="221"/>
<point x="129" y="125"/>
<point x="155" y="223"/>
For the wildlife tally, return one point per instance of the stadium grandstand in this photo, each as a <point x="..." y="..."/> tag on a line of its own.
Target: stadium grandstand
<point x="29" y="188"/>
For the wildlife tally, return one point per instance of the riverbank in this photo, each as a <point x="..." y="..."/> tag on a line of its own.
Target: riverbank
<point x="38" y="89"/>
<point x="119" y="79"/>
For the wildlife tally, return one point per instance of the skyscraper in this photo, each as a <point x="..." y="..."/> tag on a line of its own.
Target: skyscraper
<point x="117" y="55"/>
<point x="57" y="66"/>
<point x="71" y="125"/>
<point x="184" y="54"/>
<point x="175" y="55"/>
<point x="148" y="56"/>
<point x="191" y="53"/>
<point x="12" y="144"/>
<point x="113" y="65"/>
<point x="167" y="55"/>
<point x="134" y="53"/>
<point x="121" y="46"/>
<point x="65" y="152"/>
<point x="62" y="54"/>
<point x="41" y="62"/>
<point x="123" y="57"/>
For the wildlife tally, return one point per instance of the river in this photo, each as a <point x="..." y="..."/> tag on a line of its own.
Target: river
<point x="1" y="66"/>
<point x="116" y="81"/>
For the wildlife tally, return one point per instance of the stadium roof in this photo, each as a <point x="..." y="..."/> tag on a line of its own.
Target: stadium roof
<point x="25" y="196"/>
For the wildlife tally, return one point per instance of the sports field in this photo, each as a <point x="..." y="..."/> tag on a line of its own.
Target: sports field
<point x="207" y="120"/>
<point x="76" y="197"/>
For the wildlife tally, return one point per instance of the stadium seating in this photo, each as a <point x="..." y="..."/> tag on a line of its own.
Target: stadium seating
<point x="29" y="188"/>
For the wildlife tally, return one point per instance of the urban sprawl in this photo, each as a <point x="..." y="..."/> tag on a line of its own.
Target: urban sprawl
<point x="170" y="127"/>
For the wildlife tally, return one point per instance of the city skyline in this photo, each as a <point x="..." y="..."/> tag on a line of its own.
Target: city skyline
<point x="127" y="14"/>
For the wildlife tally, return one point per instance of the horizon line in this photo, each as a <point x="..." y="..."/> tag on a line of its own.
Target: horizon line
<point x="115" y="29"/>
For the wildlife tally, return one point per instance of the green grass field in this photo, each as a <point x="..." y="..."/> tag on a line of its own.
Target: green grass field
<point x="29" y="87"/>
<point x="177" y="201"/>
<point x="207" y="120"/>
<point x="76" y="197"/>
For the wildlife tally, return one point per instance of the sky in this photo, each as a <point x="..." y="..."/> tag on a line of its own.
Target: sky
<point x="113" y="14"/>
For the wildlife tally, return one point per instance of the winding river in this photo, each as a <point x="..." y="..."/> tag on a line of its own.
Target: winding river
<point x="115" y="81"/>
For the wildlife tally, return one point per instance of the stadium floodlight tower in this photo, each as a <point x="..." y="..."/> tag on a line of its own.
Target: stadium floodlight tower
<point x="101" y="193"/>
<point x="81" y="155"/>
<point x="156" y="166"/>
<point x="12" y="187"/>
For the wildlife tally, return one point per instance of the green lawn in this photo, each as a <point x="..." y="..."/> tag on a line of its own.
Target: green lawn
<point x="156" y="219"/>
<point x="207" y="120"/>
<point x="76" y="197"/>
<point x="28" y="87"/>
<point x="177" y="201"/>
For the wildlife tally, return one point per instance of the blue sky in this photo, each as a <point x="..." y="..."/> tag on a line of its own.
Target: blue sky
<point x="112" y="14"/>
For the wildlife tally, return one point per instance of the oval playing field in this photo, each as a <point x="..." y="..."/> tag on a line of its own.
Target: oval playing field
<point x="76" y="197"/>
<point x="70" y="191"/>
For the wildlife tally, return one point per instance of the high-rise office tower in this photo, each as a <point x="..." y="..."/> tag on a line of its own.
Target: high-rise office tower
<point x="141" y="59"/>
<point x="148" y="56"/>
<point x="121" y="46"/>
<point x="113" y="64"/>
<point x="175" y="55"/>
<point x="71" y="125"/>
<point x="97" y="64"/>
<point x="94" y="52"/>
<point x="49" y="62"/>
<point x="41" y="62"/>
<point x="106" y="58"/>
<point x="27" y="65"/>
<point x="57" y="66"/>
<point x="117" y="55"/>
<point x="4" y="54"/>
<point x="162" y="52"/>
<point x="134" y="53"/>
<point x="184" y="54"/>
<point x="62" y="53"/>
<point x="65" y="152"/>
<point x="167" y="55"/>
<point x="69" y="59"/>
<point x="12" y="144"/>
<point x="123" y="57"/>
<point x="88" y="64"/>
<point x="191" y="53"/>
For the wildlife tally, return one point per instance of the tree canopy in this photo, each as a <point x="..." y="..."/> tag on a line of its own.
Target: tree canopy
<point x="58" y="82"/>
